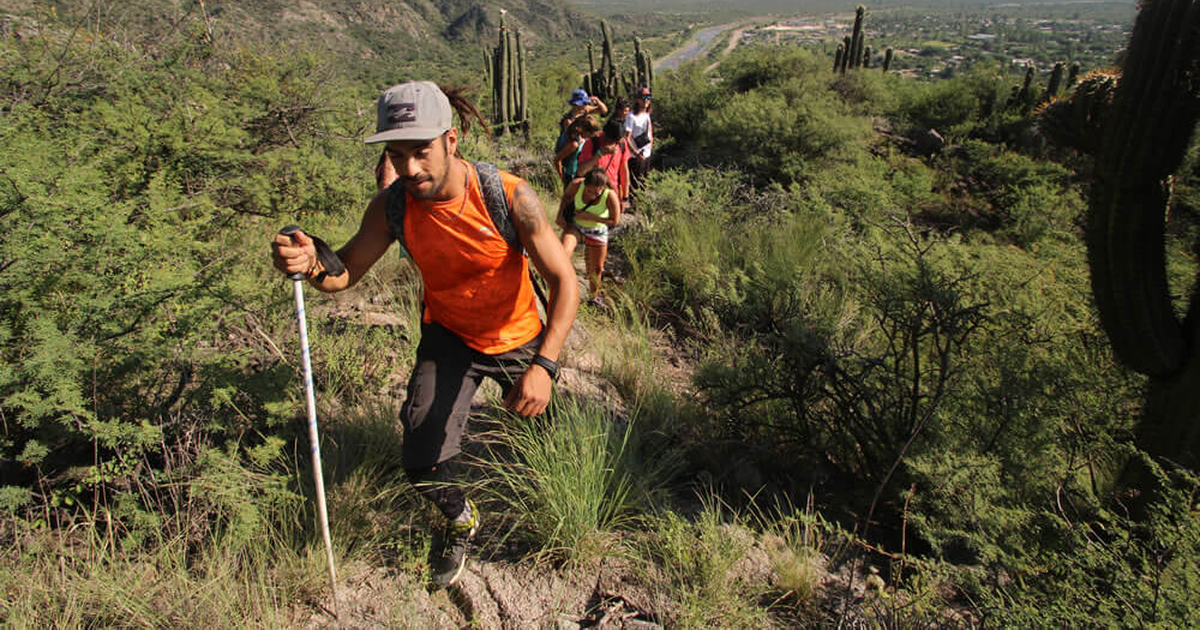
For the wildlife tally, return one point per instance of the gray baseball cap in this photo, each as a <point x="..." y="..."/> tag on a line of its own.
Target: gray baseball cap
<point x="417" y="110"/>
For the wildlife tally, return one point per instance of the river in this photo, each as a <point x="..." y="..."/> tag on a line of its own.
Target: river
<point x="695" y="47"/>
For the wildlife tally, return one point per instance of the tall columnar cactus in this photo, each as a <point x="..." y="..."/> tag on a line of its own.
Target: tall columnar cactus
<point x="608" y="66"/>
<point x="1078" y="121"/>
<point x="608" y="81"/>
<point x="887" y="60"/>
<point x="837" y="58"/>
<point x="1146" y="135"/>
<point x="644" y="70"/>
<point x="1073" y="75"/>
<point x="847" y="54"/>
<point x="522" y="87"/>
<point x="489" y="65"/>
<point x="1026" y="87"/>
<point x="856" y="39"/>
<point x="866" y="59"/>
<point x="1056" y="77"/>
<point x="506" y="74"/>
<point x="589" y="83"/>
<point x="500" y="86"/>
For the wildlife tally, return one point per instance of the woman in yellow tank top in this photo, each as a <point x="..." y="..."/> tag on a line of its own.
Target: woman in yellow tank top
<point x="588" y="208"/>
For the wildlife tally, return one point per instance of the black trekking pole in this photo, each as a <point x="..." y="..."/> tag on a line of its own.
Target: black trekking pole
<point x="310" y="399"/>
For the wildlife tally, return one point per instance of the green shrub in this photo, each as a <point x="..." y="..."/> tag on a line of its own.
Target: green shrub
<point x="132" y="269"/>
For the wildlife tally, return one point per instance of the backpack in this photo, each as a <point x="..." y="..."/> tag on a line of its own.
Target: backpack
<point x="494" y="198"/>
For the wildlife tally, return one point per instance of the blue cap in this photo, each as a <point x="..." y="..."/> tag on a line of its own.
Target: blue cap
<point x="580" y="97"/>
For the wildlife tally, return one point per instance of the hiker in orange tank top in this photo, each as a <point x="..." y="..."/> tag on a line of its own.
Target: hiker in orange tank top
<point x="480" y="315"/>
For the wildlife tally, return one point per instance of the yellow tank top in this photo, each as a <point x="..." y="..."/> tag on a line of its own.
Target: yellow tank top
<point x="600" y="208"/>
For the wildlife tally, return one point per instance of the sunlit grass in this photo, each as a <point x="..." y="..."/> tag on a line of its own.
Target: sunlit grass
<point x="569" y="479"/>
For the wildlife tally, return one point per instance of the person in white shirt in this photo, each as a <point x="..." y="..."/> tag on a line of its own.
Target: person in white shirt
<point x="640" y="132"/>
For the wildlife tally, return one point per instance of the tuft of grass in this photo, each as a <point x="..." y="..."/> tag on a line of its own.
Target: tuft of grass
<point x="569" y="479"/>
<point x="698" y="561"/>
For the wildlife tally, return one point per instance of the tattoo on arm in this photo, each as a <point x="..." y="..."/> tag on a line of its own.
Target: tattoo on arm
<point x="527" y="209"/>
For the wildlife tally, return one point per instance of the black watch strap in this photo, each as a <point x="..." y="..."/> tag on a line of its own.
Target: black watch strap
<point x="550" y="366"/>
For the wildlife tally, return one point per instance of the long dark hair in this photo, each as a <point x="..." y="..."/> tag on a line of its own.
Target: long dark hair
<point x="465" y="108"/>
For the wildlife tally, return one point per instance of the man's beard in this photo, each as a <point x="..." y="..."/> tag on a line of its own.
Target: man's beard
<point x="439" y="184"/>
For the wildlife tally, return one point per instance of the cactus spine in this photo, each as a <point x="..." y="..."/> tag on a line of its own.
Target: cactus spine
<point x="1154" y="112"/>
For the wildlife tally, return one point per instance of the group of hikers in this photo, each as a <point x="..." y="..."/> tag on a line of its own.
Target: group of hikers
<point x="472" y="231"/>
<point x="600" y="166"/>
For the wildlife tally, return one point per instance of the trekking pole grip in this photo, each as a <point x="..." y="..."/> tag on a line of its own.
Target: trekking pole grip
<point x="289" y="230"/>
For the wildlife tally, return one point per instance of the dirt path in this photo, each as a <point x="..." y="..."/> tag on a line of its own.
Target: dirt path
<point x="734" y="38"/>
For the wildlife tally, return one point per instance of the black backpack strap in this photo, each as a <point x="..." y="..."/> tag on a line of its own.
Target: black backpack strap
<point x="395" y="214"/>
<point x="497" y="203"/>
<point x="497" y="206"/>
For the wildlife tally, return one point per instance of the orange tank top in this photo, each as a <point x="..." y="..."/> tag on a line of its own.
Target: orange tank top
<point x="475" y="284"/>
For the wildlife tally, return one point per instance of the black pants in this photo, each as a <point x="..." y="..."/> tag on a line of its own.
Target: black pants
<point x="434" y="415"/>
<point x="638" y="168"/>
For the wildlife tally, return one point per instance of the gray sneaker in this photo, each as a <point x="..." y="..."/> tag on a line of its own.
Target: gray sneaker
<point x="448" y="554"/>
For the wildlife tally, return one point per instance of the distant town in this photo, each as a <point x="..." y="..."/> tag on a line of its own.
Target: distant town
<point x="929" y="44"/>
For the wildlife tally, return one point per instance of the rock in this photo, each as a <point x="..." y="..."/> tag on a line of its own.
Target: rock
<point x="928" y="141"/>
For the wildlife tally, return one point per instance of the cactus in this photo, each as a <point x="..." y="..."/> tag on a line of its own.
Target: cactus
<point x="866" y="59"/>
<point x="887" y="60"/>
<point x="589" y="81"/>
<point x="607" y="80"/>
<point x="522" y="87"/>
<point x="1056" y="77"/>
<point x="837" y="58"/>
<point x="644" y="68"/>
<point x="506" y="75"/>
<point x="1023" y="95"/>
<point x="488" y="65"/>
<point x="1077" y="121"/>
<point x="1154" y="111"/>
<point x="501" y="85"/>
<point x="1073" y="74"/>
<point x="847" y="53"/>
<point x="856" y="40"/>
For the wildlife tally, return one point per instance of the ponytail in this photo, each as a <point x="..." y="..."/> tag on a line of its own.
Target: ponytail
<point x="465" y="109"/>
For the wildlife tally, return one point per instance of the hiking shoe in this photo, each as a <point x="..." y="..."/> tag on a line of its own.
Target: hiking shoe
<point x="448" y="554"/>
<point x="597" y="301"/>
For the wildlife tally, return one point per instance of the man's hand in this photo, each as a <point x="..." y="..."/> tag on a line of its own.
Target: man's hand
<point x="294" y="253"/>
<point x="530" y="395"/>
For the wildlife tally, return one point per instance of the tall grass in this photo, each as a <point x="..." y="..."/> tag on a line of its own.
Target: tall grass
<point x="696" y="560"/>
<point x="569" y="479"/>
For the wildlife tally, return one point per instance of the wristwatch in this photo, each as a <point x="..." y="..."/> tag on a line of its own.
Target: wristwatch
<point x="551" y="367"/>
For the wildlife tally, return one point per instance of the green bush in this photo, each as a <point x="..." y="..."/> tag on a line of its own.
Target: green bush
<point x="136" y="293"/>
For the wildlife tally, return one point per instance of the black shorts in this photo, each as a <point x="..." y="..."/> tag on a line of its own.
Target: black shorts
<point x="440" y="389"/>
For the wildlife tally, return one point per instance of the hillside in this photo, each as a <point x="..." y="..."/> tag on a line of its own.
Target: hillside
<point x="369" y="38"/>
<point x="846" y="372"/>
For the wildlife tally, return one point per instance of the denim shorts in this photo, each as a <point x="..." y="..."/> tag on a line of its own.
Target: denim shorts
<point x="596" y="236"/>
